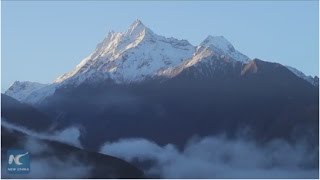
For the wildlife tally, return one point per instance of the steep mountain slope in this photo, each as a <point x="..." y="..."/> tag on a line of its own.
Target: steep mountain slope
<point x="25" y="115"/>
<point x="313" y="80"/>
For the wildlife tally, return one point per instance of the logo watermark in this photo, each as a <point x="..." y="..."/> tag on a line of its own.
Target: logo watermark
<point x="18" y="161"/>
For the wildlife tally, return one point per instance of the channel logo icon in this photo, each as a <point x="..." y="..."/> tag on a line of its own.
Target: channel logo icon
<point x="18" y="162"/>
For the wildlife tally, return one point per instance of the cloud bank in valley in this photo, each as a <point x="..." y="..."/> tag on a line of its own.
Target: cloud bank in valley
<point x="69" y="135"/>
<point x="208" y="157"/>
<point x="46" y="161"/>
<point x="218" y="157"/>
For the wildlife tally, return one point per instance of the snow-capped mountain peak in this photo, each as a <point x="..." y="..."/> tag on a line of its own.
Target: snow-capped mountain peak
<point x="221" y="46"/>
<point x="219" y="42"/>
<point x="118" y="42"/>
<point x="23" y="89"/>
<point x="136" y="29"/>
<point x="130" y="56"/>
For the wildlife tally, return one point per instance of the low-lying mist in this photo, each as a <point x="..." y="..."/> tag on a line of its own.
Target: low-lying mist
<point x="202" y="157"/>
<point x="68" y="135"/>
<point x="218" y="157"/>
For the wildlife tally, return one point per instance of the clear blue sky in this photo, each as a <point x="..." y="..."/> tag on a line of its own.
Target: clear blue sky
<point x="42" y="40"/>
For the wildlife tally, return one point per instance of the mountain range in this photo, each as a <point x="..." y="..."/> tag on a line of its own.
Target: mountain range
<point x="140" y="84"/>
<point x="136" y="55"/>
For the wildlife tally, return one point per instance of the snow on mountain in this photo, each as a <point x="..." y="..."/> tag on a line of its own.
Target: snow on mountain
<point x="300" y="74"/>
<point x="211" y="49"/>
<point x="222" y="46"/>
<point x="131" y="56"/>
<point x="40" y="94"/>
<point x="30" y="92"/>
<point x="138" y="53"/>
<point x="19" y="90"/>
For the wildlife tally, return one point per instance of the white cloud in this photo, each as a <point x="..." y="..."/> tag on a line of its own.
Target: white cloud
<point x="218" y="157"/>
